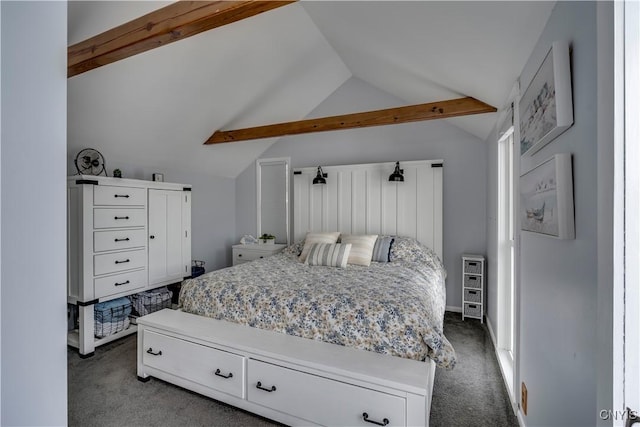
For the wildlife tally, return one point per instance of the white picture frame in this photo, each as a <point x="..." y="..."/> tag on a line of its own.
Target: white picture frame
<point x="546" y="106"/>
<point x="546" y="198"/>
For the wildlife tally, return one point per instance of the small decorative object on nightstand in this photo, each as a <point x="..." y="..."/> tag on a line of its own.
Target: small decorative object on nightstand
<point x="472" y="286"/>
<point x="246" y="253"/>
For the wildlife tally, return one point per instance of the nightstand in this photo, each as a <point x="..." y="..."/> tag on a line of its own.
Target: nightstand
<point x="472" y="286"/>
<point x="246" y="253"/>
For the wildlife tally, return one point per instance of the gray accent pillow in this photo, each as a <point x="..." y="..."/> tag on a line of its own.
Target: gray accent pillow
<point x="382" y="249"/>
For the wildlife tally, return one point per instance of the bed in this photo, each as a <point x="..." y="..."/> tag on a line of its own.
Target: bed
<point x="394" y="308"/>
<point x="313" y="344"/>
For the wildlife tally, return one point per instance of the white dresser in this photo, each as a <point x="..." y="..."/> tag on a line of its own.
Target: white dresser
<point x="246" y="253"/>
<point x="124" y="236"/>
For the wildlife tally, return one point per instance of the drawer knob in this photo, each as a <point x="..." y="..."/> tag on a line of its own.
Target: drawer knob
<point x="152" y="237"/>
<point x="122" y="262"/>
<point x="126" y="196"/>
<point x="120" y="217"/>
<point x="123" y="283"/>
<point x="259" y="385"/>
<point x="150" y="351"/>
<point x="217" y="372"/>
<point x="239" y="255"/>
<point x="384" y="422"/>
<point x="126" y="239"/>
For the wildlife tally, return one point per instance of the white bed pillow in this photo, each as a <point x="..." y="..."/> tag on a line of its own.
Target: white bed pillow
<point x="329" y="237"/>
<point x="361" y="247"/>
<point x="329" y="254"/>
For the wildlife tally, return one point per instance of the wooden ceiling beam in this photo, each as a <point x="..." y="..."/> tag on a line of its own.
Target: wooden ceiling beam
<point x="171" y="23"/>
<point x="391" y="116"/>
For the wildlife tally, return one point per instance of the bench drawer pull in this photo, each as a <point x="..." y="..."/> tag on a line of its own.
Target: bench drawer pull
<point x="259" y="385"/>
<point x="217" y="372"/>
<point x="150" y="351"/>
<point x="384" y="422"/>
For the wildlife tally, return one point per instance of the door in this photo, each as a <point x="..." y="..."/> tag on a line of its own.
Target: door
<point x="626" y="339"/>
<point x="166" y="235"/>
<point x="632" y="208"/>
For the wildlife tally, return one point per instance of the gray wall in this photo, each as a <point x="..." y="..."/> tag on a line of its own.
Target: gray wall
<point x="464" y="167"/>
<point x="559" y="278"/>
<point x="33" y="226"/>
<point x="212" y="207"/>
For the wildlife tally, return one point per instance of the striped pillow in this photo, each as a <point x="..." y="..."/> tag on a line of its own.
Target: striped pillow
<point x="312" y="238"/>
<point x="361" y="249"/>
<point x="329" y="254"/>
<point x="382" y="249"/>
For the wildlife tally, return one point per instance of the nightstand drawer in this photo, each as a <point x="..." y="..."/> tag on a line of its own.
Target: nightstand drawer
<point x="473" y="295"/>
<point x="243" y="256"/>
<point x="246" y="253"/>
<point x="471" y="281"/>
<point x="472" y="310"/>
<point x="473" y="267"/>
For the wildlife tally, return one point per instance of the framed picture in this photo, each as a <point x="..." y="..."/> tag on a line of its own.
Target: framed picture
<point x="546" y="198"/>
<point x="158" y="177"/>
<point x="546" y="108"/>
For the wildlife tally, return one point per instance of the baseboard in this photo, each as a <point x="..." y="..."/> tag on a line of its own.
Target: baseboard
<point x="491" y="334"/>
<point x="454" y="309"/>
<point x="521" y="419"/>
<point x="502" y="366"/>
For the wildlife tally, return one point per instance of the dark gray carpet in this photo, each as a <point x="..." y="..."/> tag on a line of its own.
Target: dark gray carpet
<point x="104" y="390"/>
<point x="473" y="393"/>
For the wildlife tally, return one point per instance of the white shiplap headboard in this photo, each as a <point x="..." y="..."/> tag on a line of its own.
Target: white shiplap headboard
<point x="359" y="199"/>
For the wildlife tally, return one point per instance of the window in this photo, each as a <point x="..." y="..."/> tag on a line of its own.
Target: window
<point x="506" y="256"/>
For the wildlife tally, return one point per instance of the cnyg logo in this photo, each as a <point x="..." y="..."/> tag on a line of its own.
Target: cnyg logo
<point x="618" y="415"/>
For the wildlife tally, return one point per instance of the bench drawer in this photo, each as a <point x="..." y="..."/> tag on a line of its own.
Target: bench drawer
<point x="204" y="365"/>
<point x="321" y="400"/>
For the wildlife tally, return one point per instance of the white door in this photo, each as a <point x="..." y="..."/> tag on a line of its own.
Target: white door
<point x="165" y="237"/>
<point x="626" y="399"/>
<point x="632" y="226"/>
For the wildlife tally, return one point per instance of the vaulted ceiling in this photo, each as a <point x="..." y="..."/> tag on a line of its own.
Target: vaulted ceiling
<point x="157" y="108"/>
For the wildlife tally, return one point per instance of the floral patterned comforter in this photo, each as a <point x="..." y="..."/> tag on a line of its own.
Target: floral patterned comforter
<point x="394" y="308"/>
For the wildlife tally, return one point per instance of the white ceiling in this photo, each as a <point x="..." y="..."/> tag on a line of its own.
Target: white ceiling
<point x="157" y="108"/>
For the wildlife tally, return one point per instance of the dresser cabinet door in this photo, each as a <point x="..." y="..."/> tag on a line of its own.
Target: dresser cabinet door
<point x="166" y="235"/>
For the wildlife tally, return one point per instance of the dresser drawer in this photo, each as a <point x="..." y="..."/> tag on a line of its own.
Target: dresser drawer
<point x="119" y="261"/>
<point x="321" y="400"/>
<point x="124" y="282"/>
<point x="121" y="239"/>
<point x="119" y="217"/>
<point x="207" y="366"/>
<point x="106" y="195"/>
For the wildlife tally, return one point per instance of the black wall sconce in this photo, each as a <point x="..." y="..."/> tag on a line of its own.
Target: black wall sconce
<point x="397" y="174"/>
<point x="320" y="177"/>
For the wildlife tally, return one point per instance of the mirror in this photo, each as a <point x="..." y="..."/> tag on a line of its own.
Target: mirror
<point x="272" y="184"/>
